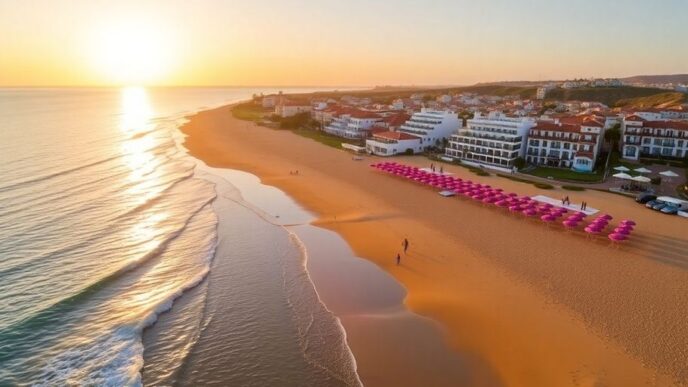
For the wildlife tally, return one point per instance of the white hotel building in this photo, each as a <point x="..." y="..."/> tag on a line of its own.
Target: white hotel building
<point x="654" y="138"/>
<point x="423" y="130"/>
<point x="573" y="142"/>
<point x="494" y="140"/>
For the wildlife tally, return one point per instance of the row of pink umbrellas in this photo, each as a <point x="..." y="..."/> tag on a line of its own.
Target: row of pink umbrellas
<point x="483" y="193"/>
<point x="513" y="202"/>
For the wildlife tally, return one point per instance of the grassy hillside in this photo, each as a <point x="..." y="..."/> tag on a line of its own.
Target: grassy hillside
<point x="388" y="93"/>
<point x="670" y="78"/>
<point x="609" y="96"/>
<point x="658" y="100"/>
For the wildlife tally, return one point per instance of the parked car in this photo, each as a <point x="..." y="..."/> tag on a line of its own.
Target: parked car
<point x="669" y="209"/>
<point x="659" y="206"/>
<point x="651" y="203"/>
<point x="645" y="197"/>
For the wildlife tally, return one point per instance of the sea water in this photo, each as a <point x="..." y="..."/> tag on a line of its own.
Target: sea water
<point x="106" y="223"/>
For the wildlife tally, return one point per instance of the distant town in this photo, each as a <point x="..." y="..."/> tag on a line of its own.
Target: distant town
<point x="505" y="133"/>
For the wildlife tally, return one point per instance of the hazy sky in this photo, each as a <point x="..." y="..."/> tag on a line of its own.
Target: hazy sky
<point x="322" y="42"/>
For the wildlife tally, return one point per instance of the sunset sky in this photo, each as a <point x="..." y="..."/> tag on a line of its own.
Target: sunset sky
<point x="336" y="43"/>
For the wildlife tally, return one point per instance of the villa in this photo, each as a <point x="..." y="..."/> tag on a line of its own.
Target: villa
<point x="291" y="108"/>
<point x="421" y="131"/>
<point x="352" y="123"/>
<point x="654" y="138"/>
<point x="573" y="142"/>
<point x="494" y="140"/>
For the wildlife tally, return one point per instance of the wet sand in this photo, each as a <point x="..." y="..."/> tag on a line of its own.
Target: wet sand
<point x="536" y="304"/>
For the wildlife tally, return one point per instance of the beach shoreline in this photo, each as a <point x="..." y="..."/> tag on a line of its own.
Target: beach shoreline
<point x="556" y="310"/>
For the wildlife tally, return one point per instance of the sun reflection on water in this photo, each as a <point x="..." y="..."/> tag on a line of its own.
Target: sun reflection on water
<point x="138" y="147"/>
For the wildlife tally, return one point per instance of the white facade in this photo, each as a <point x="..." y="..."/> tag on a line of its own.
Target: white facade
<point x="269" y="101"/>
<point x="393" y="143"/>
<point x="654" y="139"/>
<point x="352" y="125"/>
<point x="568" y="145"/>
<point x="541" y="93"/>
<point x="290" y="109"/>
<point x="397" y="104"/>
<point x="494" y="140"/>
<point x="431" y="126"/>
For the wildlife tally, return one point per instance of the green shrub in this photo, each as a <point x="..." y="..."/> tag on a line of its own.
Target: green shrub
<point x="408" y="152"/>
<point x="481" y="173"/>
<point x="656" y="180"/>
<point x="543" y="185"/>
<point x="296" y="121"/>
<point x="572" y="188"/>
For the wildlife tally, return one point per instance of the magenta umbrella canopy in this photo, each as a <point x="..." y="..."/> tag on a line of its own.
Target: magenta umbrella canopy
<point x="547" y="218"/>
<point x="606" y="216"/>
<point x="529" y="212"/>
<point x="617" y="237"/>
<point x="592" y="230"/>
<point x="502" y="203"/>
<point x="569" y="223"/>
<point x="627" y="221"/>
<point x="622" y="230"/>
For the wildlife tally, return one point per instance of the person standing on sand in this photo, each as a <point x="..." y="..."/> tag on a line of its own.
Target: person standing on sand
<point x="405" y="243"/>
<point x="441" y="170"/>
<point x="398" y="259"/>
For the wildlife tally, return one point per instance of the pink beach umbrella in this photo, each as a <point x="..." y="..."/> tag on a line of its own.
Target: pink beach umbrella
<point x="547" y="218"/>
<point x="615" y="237"/>
<point x="592" y="230"/>
<point x="529" y="212"/>
<point x="569" y="223"/>
<point x="627" y="221"/>
<point x="622" y="230"/>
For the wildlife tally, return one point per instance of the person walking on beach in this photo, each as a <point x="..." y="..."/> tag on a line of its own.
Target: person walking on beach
<point x="567" y="200"/>
<point x="441" y="170"/>
<point x="398" y="259"/>
<point x="405" y="243"/>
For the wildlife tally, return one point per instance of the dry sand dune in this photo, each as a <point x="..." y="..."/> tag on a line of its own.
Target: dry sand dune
<point x="540" y="305"/>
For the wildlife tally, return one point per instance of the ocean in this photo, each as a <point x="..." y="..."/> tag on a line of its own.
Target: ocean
<point x="124" y="261"/>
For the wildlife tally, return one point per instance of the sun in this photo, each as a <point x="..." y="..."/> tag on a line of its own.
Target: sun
<point x="133" y="52"/>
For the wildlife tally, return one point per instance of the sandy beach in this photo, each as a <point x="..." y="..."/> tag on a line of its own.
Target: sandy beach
<point x="538" y="306"/>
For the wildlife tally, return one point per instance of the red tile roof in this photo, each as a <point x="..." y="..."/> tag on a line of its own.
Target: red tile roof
<point x="397" y="119"/>
<point x="552" y="126"/>
<point x="634" y="118"/>
<point x="678" y="125"/>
